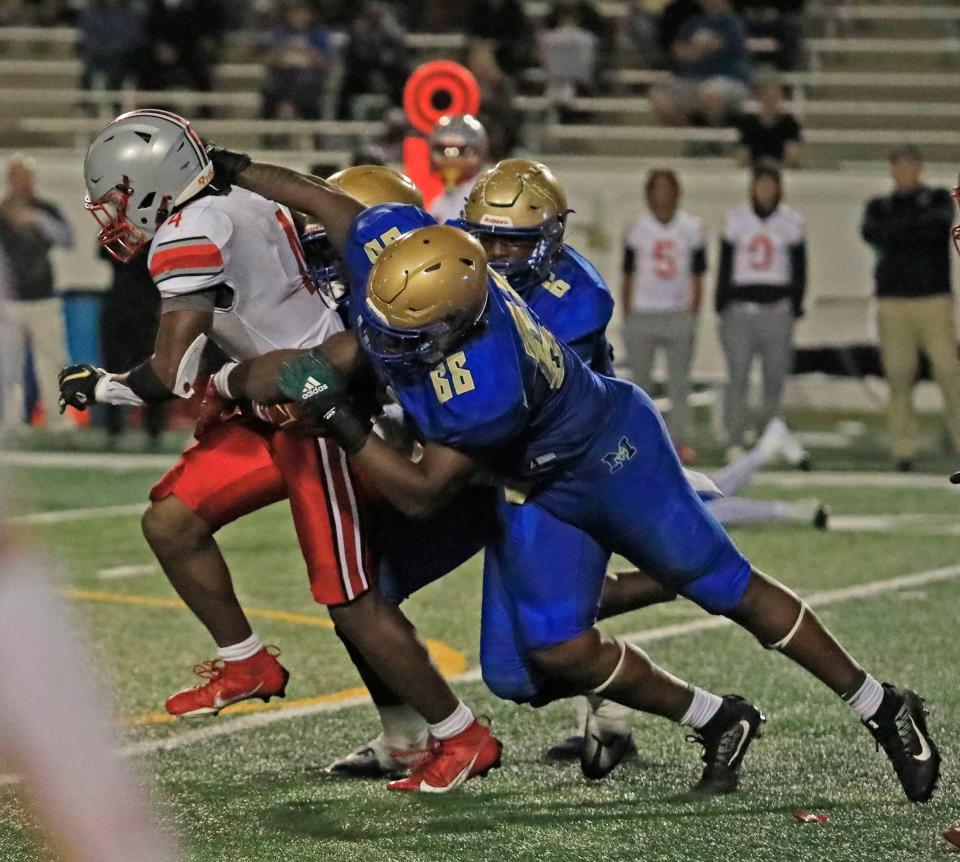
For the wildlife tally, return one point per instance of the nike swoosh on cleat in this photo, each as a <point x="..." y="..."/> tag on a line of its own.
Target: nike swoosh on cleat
<point x="220" y="703"/>
<point x="924" y="745"/>
<point x="453" y="785"/>
<point x="744" y="737"/>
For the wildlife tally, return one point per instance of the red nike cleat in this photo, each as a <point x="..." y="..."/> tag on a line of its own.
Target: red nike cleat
<point x="447" y="763"/>
<point x="261" y="676"/>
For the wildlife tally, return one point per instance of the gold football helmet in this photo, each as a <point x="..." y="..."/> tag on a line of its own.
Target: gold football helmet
<point x="426" y="291"/>
<point x="518" y="210"/>
<point x="377" y="184"/>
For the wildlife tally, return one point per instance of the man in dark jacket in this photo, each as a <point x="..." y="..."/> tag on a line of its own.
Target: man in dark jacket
<point x="909" y="231"/>
<point x="32" y="313"/>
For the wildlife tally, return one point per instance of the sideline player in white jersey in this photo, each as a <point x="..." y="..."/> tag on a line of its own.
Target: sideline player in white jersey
<point x="229" y="265"/>
<point x="761" y="283"/>
<point x="458" y="149"/>
<point x="664" y="259"/>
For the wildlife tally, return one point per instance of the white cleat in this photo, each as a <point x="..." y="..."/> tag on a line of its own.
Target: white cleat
<point x="607" y="737"/>
<point x="779" y="444"/>
<point x="375" y="759"/>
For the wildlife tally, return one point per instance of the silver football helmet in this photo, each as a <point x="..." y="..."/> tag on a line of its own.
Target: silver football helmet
<point x="141" y="165"/>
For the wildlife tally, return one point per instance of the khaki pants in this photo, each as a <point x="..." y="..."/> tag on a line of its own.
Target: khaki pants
<point x="42" y="322"/>
<point x="673" y="332"/>
<point x="906" y="327"/>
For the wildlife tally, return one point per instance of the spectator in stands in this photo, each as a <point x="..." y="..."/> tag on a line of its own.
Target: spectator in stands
<point x="497" y="113"/>
<point x="639" y="33"/>
<point x="29" y="228"/>
<point x="110" y="40"/>
<point x="128" y="328"/>
<point x="664" y="259"/>
<point x="376" y="59"/>
<point x="568" y="53"/>
<point x="584" y="14"/>
<point x="781" y="21"/>
<point x="505" y="22"/>
<point x="298" y="53"/>
<point x="711" y="68"/>
<point x="183" y="40"/>
<point x="771" y="133"/>
<point x="674" y="15"/>
<point x="909" y="231"/>
<point x="761" y="283"/>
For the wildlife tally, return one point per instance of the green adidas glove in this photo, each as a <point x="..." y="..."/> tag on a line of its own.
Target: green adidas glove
<point x="321" y="392"/>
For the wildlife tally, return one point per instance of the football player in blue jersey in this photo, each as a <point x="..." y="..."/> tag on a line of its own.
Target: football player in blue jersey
<point x="489" y="388"/>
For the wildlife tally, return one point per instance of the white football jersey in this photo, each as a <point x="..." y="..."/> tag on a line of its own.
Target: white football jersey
<point x="662" y="258"/>
<point x="449" y="205"/>
<point x="761" y="246"/>
<point x="249" y="244"/>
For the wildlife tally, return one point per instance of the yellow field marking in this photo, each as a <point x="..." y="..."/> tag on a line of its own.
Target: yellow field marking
<point x="449" y="660"/>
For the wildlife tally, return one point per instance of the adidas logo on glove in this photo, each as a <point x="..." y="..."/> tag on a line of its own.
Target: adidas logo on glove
<point x="312" y="387"/>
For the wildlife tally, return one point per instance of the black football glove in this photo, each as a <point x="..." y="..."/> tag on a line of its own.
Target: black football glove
<point x="78" y="384"/>
<point x="227" y="164"/>
<point x="321" y="394"/>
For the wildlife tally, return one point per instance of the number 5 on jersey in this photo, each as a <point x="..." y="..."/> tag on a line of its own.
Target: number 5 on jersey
<point x="451" y="377"/>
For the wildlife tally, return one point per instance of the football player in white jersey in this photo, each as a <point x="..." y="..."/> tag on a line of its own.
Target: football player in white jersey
<point x="664" y="259"/>
<point x="761" y="283"/>
<point x="458" y="149"/>
<point x="229" y="266"/>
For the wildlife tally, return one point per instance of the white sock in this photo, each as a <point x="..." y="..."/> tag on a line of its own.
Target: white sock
<point x="457" y="722"/>
<point x="866" y="700"/>
<point x="243" y="650"/>
<point x="403" y="727"/>
<point x="704" y="706"/>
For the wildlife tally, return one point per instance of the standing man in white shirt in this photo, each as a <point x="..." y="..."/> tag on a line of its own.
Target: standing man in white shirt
<point x="664" y="259"/>
<point x="761" y="281"/>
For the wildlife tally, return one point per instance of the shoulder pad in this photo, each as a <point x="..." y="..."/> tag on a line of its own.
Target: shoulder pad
<point x="187" y="252"/>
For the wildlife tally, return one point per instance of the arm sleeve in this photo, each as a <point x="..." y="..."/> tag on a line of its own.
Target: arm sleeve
<point x="724" y="275"/>
<point x="698" y="260"/>
<point x="629" y="260"/>
<point x="873" y="228"/>
<point x="798" y="276"/>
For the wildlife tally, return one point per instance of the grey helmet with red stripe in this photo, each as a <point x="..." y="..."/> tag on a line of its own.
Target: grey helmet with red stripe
<point x="138" y="169"/>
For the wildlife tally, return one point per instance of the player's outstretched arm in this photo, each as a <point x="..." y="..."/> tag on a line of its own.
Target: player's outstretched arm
<point x="416" y="489"/>
<point x="324" y="203"/>
<point x="169" y="373"/>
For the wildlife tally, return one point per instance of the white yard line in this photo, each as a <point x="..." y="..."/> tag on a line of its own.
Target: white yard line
<point x="840" y="479"/>
<point x="824" y="598"/>
<point x="113" y="462"/>
<point x="63" y="516"/>
<point x="132" y="571"/>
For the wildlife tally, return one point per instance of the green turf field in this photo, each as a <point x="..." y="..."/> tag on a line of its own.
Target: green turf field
<point x="256" y="790"/>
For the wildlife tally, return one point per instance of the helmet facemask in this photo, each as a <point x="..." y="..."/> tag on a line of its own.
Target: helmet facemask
<point x="324" y="266"/>
<point x="537" y="266"/>
<point x="425" y="346"/>
<point x="121" y="238"/>
<point x="955" y="231"/>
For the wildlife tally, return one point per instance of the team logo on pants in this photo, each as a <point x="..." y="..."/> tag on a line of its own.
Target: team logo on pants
<point x="625" y="451"/>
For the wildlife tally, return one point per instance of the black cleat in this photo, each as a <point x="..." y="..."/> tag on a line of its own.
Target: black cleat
<point x="373" y="760"/>
<point x="570" y="749"/>
<point x="821" y="518"/>
<point x="725" y="740"/>
<point x="900" y="729"/>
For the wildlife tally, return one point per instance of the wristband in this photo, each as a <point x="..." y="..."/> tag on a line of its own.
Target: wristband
<point x="109" y="390"/>
<point x="219" y="380"/>
<point x="347" y="428"/>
